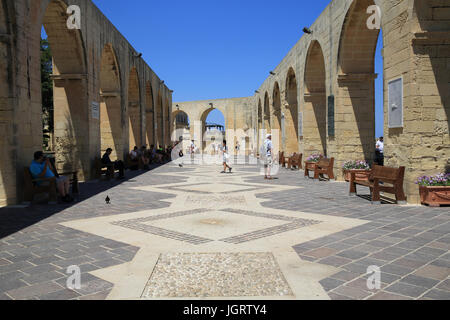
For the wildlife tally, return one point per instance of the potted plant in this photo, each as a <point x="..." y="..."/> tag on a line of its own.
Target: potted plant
<point x="314" y="158"/>
<point x="361" y="168"/>
<point x="311" y="161"/>
<point x="435" y="190"/>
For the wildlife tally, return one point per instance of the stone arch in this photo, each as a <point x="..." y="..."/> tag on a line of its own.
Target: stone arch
<point x="291" y="143"/>
<point x="355" y="107"/>
<point x="134" y="109"/>
<point x="266" y="122"/>
<point x="314" y="110"/>
<point x="159" y="121"/>
<point x="276" y="115"/>
<point x="167" y="123"/>
<point x="181" y="127"/>
<point x="149" y="114"/>
<point x="69" y="90"/>
<point x="203" y="118"/>
<point x="111" y="132"/>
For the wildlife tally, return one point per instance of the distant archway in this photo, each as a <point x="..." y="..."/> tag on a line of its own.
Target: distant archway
<point x="315" y="113"/>
<point x="291" y="114"/>
<point x="213" y="133"/>
<point x="134" y="110"/>
<point x="111" y="132"/>
<point x="181" y="129"/>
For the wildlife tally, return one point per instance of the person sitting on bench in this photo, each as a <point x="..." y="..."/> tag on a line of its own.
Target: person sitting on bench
<point x="41" y="167"/>
<point x="119" y="165"/>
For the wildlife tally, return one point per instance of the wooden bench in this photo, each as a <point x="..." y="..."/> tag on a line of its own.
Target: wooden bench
<point x="323" y="166"/>
<point x="32" y="187"/>
<point x="295" y="161"/>
<point x="101" y="169"/>
<point x="382" y="179"/>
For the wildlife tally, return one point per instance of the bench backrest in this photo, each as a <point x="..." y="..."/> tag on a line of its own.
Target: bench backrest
<point x="324" y="162"/>
<point x="388" y="174"/>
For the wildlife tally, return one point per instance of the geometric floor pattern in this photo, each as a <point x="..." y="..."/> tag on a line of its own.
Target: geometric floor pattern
<point x="192" y="232"/>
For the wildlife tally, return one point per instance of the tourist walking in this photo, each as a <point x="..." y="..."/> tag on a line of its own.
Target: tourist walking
<point x="226" y="157"/>
<point x="267" y="154"/>
<point x="192" y="150"/>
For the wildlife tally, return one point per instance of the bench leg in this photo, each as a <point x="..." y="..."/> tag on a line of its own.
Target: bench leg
<point x="376" y="198"/>
<point x="400" y="195"/>
<point x="331" y="174"/>
<point x="316" y="174"/>
<point x="352" y="191"/>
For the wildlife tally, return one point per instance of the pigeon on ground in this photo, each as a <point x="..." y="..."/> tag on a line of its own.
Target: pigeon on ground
<point x="108" y="200"/>
<point x="180" y="165"/>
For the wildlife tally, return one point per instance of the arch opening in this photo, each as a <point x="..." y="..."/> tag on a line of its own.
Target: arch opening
<point x="167" y="124"/>
<point x="213" y="130"/>
<point x="149" y="115"/>
<point x="356" y="120"/>
<point x="315" y="114"/>
<point x="66" y="96"/>
<point x="134" y="110"/>
<point x="181" y="129"/>
<point x="110" y="105"/>
<point x="276" y="115"/>
<point x="291" y="143"/>
<point x="260" y="123"/>
<point x="159" y="122"/>
<point x="266" y="122"/>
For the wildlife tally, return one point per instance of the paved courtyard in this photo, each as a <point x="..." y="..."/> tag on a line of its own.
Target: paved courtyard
<point x="193" y="233"/>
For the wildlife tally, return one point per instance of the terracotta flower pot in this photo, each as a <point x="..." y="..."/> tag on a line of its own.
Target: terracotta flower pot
<point x="361" y="174"/>
<point x="310" y="165"/>
<point x="434" y="196"/>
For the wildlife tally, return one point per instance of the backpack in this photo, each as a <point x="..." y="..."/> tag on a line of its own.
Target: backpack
<point x="263" y="151"/>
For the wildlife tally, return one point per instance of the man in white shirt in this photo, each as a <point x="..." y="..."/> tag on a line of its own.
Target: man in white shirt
<point x="268" y="149"/>
<point x="379" y="152"/>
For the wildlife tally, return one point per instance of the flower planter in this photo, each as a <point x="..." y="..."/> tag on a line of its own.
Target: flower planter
<point x="361" y="174"/>
<point x="435" y="196"/>
<point x="310" y="165"/>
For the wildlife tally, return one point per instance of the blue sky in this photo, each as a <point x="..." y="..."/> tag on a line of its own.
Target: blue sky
<point x="211" y="49"/>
